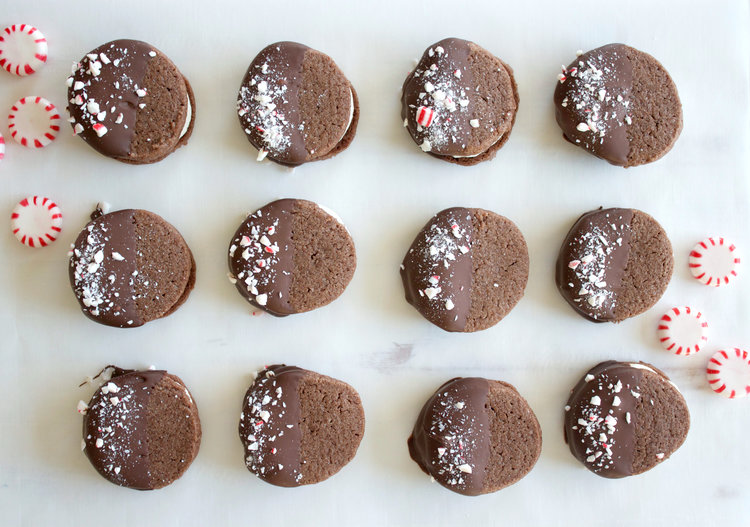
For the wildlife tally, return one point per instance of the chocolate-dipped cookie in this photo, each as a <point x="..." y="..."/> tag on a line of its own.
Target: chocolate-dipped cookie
<point x="476" y="436"/>
<point x="128" y="101"/>
<point x="299" y="427"/>
<point x="130" y="267"/>
<point x="291" y="256"/>
<point x="614" y="264"/>
<point x="620" y="104"/>
<point x="624" y="418"/>
<point x="296" y="106"/>
<point x="460" y="102"/>
<point x="466" y="269"/>
<point x="141" y="429"/>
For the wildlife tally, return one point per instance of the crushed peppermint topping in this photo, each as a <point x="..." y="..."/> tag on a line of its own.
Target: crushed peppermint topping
<point x="442" y="243"/>
<point x="264" y="422"/>
<point x="103" y="115"/>
<point x="601" y="419"/>
<point x="446" y="98"/>
<point x="594" y="252"/>
<point x="91" y="277"/>
<point x="117" y="420"/>
<point x="598" y="97"/>
<point x="259" y="105"/>
<point x="457" y="431"/>
<point x="258" y="250"/>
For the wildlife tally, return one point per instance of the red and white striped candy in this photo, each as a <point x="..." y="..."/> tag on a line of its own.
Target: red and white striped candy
<point x="34" y="122"/>
<point x="23" y="49"/>
<point x="2" y="147"/>
<point x="683" y="331"/>
<point x="36" y="221"/>
<point x="425" y="116"/>
<point x="728" y="373"/>
<point x="714" y="261"/>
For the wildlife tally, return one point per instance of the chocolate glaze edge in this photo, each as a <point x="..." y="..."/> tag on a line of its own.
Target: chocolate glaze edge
<point x="464" y="458"/>
<point x="283" y="60"/>
<point x="564" y="275"/>
<point x="134" y="389"/>
<point x="276" y="461"/>
<point x="616" y="81"/>
<point x="454" y="282"/>
<point x="621" y="436"/>
<point x="124" y="69"/>
<point x="278" y="271"/>
<point x="111" y="233"/>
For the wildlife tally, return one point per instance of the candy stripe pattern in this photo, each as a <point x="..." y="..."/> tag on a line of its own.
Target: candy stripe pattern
<point x="728" y="373"/>
<point x="36" y="221"/>
<point x="23" y="49"/>
<point x="714" y="261"/>
<point x="683" y="331"/>
<point x="34" y="122"/>
<point x="2" y="147"/>
<point x="425" y="116"/>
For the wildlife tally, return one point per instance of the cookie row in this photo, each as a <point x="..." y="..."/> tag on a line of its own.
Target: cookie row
<point x="130" y="102"/>
<point x="141" y="429"/>
<point x="464" y="272"/>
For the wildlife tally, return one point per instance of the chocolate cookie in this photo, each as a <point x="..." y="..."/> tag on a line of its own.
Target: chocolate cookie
<point x="624" y="418"/>
<point x="291" y="256"/>
<point x="299" y="427"/>
<point x="466" y="269"/>
<point x="460" y="102"/>
<point x="130" y="267"/>
<point x="141" y="429"/>
<point x="296" y="106"/>
<point x="130" y="102"/>
<point x="620" y="104"/>
<point x="476" y="436"/>
<point x="614" y="264"/>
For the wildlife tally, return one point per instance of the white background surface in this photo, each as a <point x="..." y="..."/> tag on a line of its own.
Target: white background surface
<point x="385" y="189"/>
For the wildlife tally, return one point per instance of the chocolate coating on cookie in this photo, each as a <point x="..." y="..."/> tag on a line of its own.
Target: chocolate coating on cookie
<point x="459" y="104"/>
<point x="291" y="256"/>
<point x="624" y="418"/>
<point x="141" y="429"/>
<point x="130" y="267"/>
<point x="466" y="269"/>
<point x="476" y="436"/>
<point x="620" y="104"/>
<point x="614" y="264"/>
<point x="451" y="437"/>
<point x="129" y="102"/>
<point x="295" y="105"/>
<point x="299" y="427"/>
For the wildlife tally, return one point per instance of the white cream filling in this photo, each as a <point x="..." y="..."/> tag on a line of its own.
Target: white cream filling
<point x="187" y="119"/>
<point x="644" y="367"/>
<point x="351" y="115"/>
<point x="333" y="215"/>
